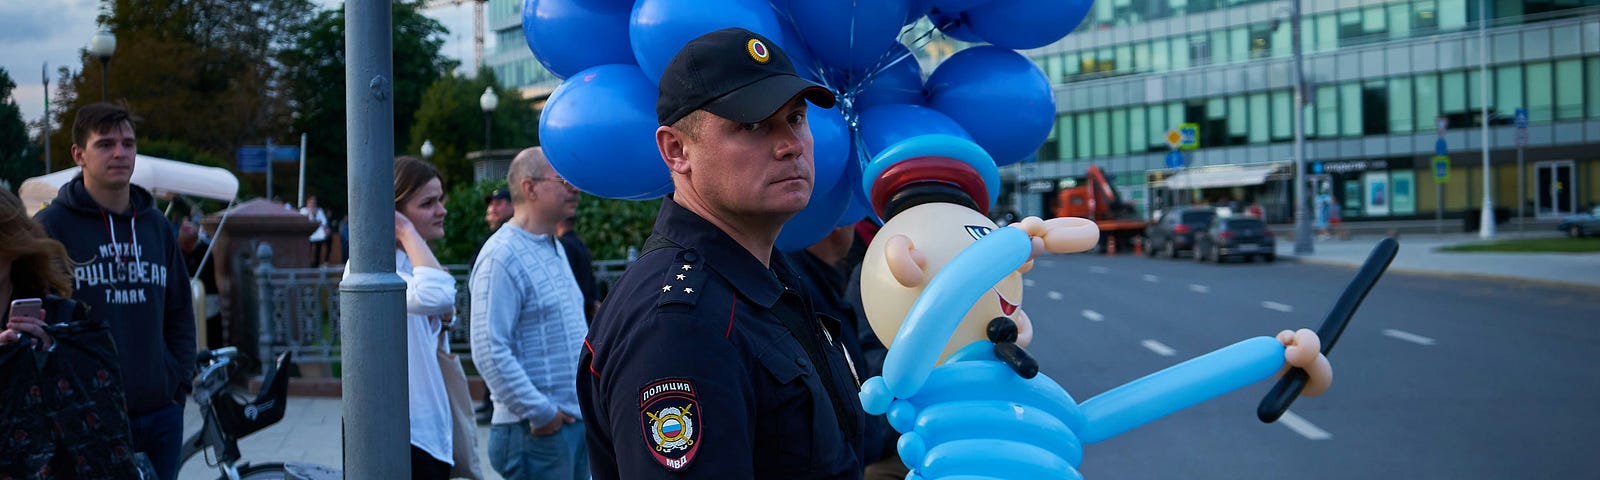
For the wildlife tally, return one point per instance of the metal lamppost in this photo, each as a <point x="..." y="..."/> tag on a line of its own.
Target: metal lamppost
<point x="427" y="150"/>
<point x="102" y="45"/>
<point x="1302" y="224"/>
<point x="1486" y="216"/>
<point x="488" y="101"/>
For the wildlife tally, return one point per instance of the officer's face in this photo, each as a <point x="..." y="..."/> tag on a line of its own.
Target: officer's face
<point x="752" y="169"/>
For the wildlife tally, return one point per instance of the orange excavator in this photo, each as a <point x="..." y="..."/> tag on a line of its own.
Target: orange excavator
<point x="1096" y="199"/>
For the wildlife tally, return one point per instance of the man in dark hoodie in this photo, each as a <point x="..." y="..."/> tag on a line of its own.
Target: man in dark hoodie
<point x="129" y="269"/>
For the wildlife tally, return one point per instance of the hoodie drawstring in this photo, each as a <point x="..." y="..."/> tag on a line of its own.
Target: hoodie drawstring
<point x="133" y="229"/>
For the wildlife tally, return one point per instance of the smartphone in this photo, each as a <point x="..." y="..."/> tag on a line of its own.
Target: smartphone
<point x="27" y="307"/>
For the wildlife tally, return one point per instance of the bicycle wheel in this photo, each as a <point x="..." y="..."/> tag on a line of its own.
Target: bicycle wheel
<point x="265" y="471"/>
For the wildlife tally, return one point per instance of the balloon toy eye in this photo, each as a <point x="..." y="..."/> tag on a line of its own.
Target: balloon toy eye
<point x="977" y="231"/>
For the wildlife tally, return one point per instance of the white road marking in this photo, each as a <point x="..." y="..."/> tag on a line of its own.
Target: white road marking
<point x="1199" y="288"/>
<point x="1302" y="427"/>
<point x="1151" y="278"/>
<point x="1027" y="282"/>
<point x="1099" y="270"/>
<point x="1270" y="305"/>
<point x="1054" y="295"/>
<point x="1047" y="263"/>
<point x="1409" y="337"/>
<point x="1093" y="316"/>
<point x="1159" y="348"/>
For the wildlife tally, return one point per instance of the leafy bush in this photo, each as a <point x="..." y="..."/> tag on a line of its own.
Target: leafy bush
<point x="607" y="226"/>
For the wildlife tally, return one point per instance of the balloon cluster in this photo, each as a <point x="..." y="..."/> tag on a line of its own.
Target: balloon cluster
<point x="598" y="126"/>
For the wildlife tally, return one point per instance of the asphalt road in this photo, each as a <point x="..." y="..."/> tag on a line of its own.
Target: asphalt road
<point x="1434" y="378"/>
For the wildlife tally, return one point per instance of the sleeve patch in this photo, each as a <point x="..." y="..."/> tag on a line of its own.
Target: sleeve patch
<point x="670" y="417"/>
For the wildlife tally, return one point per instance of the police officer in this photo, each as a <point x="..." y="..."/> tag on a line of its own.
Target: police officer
<point x="708" y="361"/>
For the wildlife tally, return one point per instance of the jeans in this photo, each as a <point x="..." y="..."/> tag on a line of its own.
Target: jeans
<point x="517" y="454"/>
<point x="159" y="435"/>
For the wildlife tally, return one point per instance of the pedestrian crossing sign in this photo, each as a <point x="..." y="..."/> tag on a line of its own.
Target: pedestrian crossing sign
<point x="1441" y="169"/>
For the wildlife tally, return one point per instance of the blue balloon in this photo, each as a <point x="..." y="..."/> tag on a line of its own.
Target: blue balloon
<point x="552" y="27"/>
<point x="885" y="125"/>
<point x="659" y="28"/>
<point x="953" y="25"/>
<point x="946" y="299"/>
<point x="999" y="97"/>
<point x="898" y="82"/>
<point x="805" y="64"/>
<point x="817" y="220"/>
<point x="953" y="5"/>
<point x="1025" y="24"/>
<point x="995" y="458"/>
<point x="848" y="35"/>
<point x="1180" y="386"/>
<point x="830" y="145"/>
<point x="598" y="130"/>
<point x="978" y="419"/>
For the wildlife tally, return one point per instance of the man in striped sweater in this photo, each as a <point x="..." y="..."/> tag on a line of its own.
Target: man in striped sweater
<point x="528" y="328"/>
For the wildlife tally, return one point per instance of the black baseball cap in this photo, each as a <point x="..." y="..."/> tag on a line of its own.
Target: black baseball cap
<point x="735" y="74"/>
<point x="498" y="194"/>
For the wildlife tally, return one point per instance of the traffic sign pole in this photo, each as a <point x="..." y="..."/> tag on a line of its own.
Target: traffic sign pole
<point x="1440" y="149"/>
<point x="1522" y="141"/>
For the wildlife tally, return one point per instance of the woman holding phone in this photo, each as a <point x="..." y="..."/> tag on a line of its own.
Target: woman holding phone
<point x="62" y="401"/>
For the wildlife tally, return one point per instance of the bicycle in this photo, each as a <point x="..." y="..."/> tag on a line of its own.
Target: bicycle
<point x="228" y="414"/>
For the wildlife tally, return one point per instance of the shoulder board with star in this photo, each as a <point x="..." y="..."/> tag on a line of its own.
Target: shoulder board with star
<point x="683" y="279"/>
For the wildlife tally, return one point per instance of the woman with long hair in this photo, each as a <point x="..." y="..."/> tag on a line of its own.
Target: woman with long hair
<point x="430" y="305"/>
<point x="61" y="404"/>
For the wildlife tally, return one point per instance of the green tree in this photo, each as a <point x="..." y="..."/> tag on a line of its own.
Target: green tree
<point x="316" y="89"/>
<point x="206" y="74"/>
<point x="15" y="164"/>
<point x="451" y="118"/>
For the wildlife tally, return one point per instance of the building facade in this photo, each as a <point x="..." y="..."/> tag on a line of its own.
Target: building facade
<point x="509" y="56"/>
<point x="1382" y="77"/>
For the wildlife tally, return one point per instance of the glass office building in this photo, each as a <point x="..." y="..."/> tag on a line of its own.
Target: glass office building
<point x="509" y="56"/>
<point x="1382" y="77"/>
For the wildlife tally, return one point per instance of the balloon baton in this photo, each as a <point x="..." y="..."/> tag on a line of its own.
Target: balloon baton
<point x="1288" y="388"/>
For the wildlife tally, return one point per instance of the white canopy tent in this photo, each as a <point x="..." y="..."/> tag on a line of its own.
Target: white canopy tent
<point x="1221" y="176"/>
<point x="162" y="177"/>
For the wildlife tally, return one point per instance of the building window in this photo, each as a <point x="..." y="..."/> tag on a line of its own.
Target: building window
<point x="1238" y="123"/>
<point x="1374" y="108"/>
<point x="1071" y="65"/>
<point x="1220" y="53"/>
<point x="1215" y="129"/>
<point x="1327" y="32"/>
<point x="1327" y="111"/>
<point x="1138" y="133"/>
<point x="1122" y="59"/>
<point x="1508" y="90"/>
<point x="1593" y="80"/>
<point x="1259" y="118"/>
<point x="1538" y="92"/>
<point x="1160" y="55"/>
<point x="1475" y="92"/>
<point x="1141" y="57"/>
<point x="1282" y="116"/>
<point x="1175" y="114"/>
<point x="1119" y="132"/>
<point x="1261" y="41"/>
<point x="1400" y="20"/>
<point x="1085" y="134"/>
<point x="1101" y="133"/>
<point x="1427" y="102"/>
<point x="1453" y="93"/>
<point x="1569" y="89"/>
<point x="1452" y="15"/>
<point x="1158" y="125"/>
<point x="1239" y="44"/>
<point x="1425" y="16"/>
<point x="1400" y="107"/>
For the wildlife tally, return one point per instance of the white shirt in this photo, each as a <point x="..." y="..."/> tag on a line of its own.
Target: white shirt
<point x="321" y="233"/>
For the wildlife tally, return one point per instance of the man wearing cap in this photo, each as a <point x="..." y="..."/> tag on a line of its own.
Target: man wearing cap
<point x="499" y="208"/>
<point x="709" y="361"/>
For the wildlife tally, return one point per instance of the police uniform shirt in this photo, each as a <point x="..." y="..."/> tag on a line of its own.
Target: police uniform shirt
<point x="689" y="370"/>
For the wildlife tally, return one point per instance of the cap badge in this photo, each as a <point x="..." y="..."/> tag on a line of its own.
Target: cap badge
<point x="758" y="50"/>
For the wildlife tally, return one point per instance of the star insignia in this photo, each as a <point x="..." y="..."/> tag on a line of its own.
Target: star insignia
<point x="666" y="288"/>
<point x="688" y="267"/>
<point x="680" y="276"/>
<point x="688" y="290"/>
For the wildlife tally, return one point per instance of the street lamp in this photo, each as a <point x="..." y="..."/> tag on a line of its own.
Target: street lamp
<point x="102" y="45"/>
<point x="427" y="150"/>
<point x="488" y="101"/>
<point x="1302" y="224"/>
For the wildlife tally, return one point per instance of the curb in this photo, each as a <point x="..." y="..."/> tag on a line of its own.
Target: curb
<point x="1499" y="277"/>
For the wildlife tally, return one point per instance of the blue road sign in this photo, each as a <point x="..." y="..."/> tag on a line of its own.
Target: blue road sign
<point x="1441" y="169"/>
<point x="1440" y="147"/>
<point x="1174" y="159"/>
<point x="1521" y="117"/>
<point x="1316" y="168"/>
<point x="285" y="154"/>
<point x="252" y="159"/>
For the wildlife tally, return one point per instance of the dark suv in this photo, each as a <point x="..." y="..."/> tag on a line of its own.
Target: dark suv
<point x="1173" y="233"/>
<point x="1243" y="237"/>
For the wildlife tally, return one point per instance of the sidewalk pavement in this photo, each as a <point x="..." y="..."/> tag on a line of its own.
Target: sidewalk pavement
<point x="1420" y="254"/>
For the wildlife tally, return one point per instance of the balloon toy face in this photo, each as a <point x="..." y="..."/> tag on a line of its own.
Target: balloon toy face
<point x="906" y="254"/>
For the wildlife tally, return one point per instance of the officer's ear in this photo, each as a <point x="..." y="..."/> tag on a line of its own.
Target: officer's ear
<point x="673" y="144"/>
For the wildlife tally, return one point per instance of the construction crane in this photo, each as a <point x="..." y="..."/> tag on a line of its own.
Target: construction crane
<point x="478" y="25"/>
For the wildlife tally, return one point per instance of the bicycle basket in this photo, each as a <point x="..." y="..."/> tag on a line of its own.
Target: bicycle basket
<point x="239" y="415"/>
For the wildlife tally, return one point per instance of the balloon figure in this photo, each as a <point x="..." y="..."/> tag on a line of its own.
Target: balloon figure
<point x="941" y="282"/>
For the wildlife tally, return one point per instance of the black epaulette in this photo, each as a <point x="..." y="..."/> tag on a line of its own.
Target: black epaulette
<point x="683" y="279"/>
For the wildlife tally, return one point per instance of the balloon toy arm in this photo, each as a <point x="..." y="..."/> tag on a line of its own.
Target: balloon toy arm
<point x="1180" y="386"/>
<point x="1060" y="235"/>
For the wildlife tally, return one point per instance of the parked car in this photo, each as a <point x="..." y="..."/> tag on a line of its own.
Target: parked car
<point x="1242" y="237"/>
<point x="1581" y="224"/>
<point x="1173" y="233"/>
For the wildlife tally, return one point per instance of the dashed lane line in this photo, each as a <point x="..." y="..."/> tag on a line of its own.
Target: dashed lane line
<point x="1271" y="305"/>
<point x="1027" y="282"/>
<point x="1303" y="427"/>
<point x="1054" y="295"/>
<point x="1093" y="316"/>
<point x="1408" y="336"/>
<point x="1159" y="348"/>
<point x="1099" y="270"/>
<point x="1197" y="288"/>
<point x="1151" y="278"/>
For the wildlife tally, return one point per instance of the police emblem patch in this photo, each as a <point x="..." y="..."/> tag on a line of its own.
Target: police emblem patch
<point x="758" y="50"/>
<point x="670" y="417"/>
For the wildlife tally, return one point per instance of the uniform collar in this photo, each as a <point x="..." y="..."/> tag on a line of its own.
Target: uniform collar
<point x="755" y="282"/>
